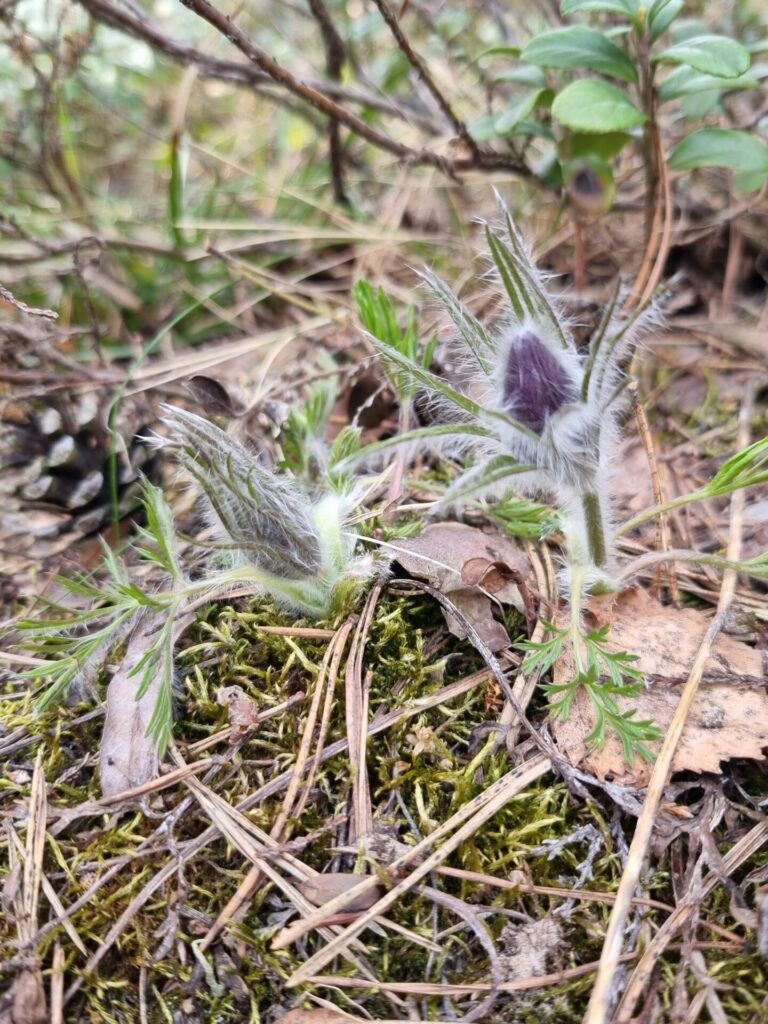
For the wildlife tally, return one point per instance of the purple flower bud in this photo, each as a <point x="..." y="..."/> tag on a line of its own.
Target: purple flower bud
<point x="535" y="383"/>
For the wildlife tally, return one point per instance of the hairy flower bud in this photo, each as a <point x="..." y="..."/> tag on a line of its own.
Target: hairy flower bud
<point x="266" y="517"/>
<point x="535" y="382"/>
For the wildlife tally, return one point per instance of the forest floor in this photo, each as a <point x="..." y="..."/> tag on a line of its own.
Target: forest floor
<point x="352" y="821"/>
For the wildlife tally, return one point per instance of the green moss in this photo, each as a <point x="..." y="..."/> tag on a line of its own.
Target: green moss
<point x="422" y="770"/>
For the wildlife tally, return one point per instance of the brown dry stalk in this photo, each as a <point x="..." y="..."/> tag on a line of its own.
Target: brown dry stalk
<point x="424" y="74"/>
<point x="603" y="992"/>
<point x="356" y="711"/>
<point x="662" y="526"/>
<point x="666" y="224"/>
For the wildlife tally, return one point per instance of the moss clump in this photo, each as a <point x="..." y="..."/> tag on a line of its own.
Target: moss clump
<point x="426" y="764"/>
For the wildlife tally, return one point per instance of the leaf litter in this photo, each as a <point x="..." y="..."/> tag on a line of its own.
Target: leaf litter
<point x="729" y="717"/>
<point x="428" y="757"/>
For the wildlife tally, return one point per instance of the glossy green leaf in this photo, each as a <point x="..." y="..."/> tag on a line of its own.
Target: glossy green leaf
<point x="500" y="51"/>
<point x="579" y="47"/>
<point x="605" y="146"/>
<point x="749" y="181"/>
<point x="483" y="128"/>
<point x="721" y="147"/>
<point x="626" y="7"/>
<point x="592" y="105"/>
<point x="686" y="81"/>
<point x="524" y="74"/>
<point x="661" y="16"/>
<point x="714" y="55"/>
<point x="517" y="111"/>
<point x="701" y="104"/>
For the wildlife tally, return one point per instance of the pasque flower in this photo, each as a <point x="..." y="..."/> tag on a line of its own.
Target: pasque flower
<point x="531" y="406"/>
<point x="273" y="531"/>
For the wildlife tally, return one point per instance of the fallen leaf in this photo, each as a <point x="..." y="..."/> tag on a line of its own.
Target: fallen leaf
<point x="128" y="757"/>
<point x="729" y="716"/>
<point x="527" y="947"/>
<point x="243" y="712"/>
<point x="29" y="1004"/>
<point x="320" y="889"/>
<point x="215" y="397"/>
<point x="318" y="1016"/>
<point x="467" y="565"/>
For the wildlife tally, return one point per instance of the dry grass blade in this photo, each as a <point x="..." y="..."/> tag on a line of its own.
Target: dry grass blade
<point x="428" y="988"/>
<point x="465" y="822"/>
<point x="603" y="993"/>
<point x="356" y="710"/>
<point x="29" y="1002"/>
<point x="57" y="985"/>
<point x="328" y="671"/>
<point x="748" y="845"/>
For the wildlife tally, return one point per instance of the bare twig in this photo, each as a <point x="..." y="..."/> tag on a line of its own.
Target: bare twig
<point x="318" y="94"/>
<point x="423" y="72"/>
<point x="150" y="32"/>
<point x="6" y="296"/>
<point x="335" y="53"/>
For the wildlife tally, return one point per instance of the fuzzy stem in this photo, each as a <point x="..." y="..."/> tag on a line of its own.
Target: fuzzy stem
<point x="577" y="589"/>
<point x="593" y="519"/>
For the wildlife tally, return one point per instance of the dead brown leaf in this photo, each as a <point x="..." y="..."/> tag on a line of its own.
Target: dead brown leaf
<point x="243" y="712"/>
<point x="729" y="717"/>
<point x="128" y="757"/>
<point x="320" y="889"/>
<point x="29" y="1004"/>
<point x="319" y="1016"/>
<point x="467" y="565"/>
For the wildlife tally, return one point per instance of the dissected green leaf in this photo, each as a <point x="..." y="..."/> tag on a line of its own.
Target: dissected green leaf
<point x="592" y="105"/>
<point x="578" y="46"/>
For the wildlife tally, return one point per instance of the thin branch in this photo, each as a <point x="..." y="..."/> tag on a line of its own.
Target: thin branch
<point x="318" y="94"/>
<point x="335" y="55"/>
<point x="421" y="70"/>
<point x="236" y="72"/>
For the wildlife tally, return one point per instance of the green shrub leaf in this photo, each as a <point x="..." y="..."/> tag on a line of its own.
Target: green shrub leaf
<point x="579" y="47"/>
<point x="686" y="81"/>
<point x="721" y="147"/>
<point x="714" y="55"/>
<point x="517" y="111"/>
<point x="626" y="7"/>
<point x="661" y="17"/>
<point x="591" y="105"/>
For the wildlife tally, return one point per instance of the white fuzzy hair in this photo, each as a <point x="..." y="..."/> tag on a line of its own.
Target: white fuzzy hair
<point x="572" y="455"/>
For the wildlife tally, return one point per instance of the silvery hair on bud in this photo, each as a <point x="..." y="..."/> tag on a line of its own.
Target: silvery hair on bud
<point x="264" y="520"/>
